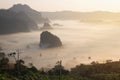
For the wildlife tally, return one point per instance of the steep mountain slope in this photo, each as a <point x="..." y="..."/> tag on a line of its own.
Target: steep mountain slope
<point x="33" y="14"/>
<point x="11" y="22"/>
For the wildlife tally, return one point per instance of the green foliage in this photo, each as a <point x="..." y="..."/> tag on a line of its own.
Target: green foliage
<point x="94" y="71"/>
<point x="105" y="77"/>
<point x="57" y="70"/>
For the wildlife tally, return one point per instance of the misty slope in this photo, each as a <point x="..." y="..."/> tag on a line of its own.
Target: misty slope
<point x="33" y="14"/>
<point x="95" y="17"/>
<point x="11" y="22"/>
<point x="20" y="18"/>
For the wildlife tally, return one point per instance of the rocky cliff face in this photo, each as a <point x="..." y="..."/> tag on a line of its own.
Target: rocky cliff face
<point x="48" y="40"/>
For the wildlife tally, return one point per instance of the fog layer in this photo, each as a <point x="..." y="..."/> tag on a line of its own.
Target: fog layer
<point x="80" y="41"/>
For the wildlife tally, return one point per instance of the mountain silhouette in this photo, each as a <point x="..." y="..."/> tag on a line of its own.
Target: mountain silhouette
<point x="12" y="22"/>
<point x="33" y="14"/>
<point x="103" y="17"/>
<point x="20" y="18"/>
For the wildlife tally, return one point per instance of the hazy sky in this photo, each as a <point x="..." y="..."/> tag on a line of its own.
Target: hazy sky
<point x="74" y="5"/>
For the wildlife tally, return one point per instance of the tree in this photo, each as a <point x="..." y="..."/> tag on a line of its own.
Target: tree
<point x="19" y="62"/>
<point x="3" y="59"/>
<point x="2" y="55"/>
<point x="58" y="69"/>
<point x="13" y="54"/>
<point x="1" y="49"/>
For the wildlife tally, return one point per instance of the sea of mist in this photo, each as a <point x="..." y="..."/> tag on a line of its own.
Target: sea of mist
<point x="80" y="41"/>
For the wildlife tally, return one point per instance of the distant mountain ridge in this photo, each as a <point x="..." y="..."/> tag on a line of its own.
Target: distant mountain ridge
<point x="92" y="17"/>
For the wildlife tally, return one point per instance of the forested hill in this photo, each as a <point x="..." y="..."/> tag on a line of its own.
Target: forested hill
<point x="11" y="22"/>
<point x="19" y="18"/>
<point x="33" y="14"/>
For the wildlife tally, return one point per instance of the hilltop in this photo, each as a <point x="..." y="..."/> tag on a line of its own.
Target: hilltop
<point x="19" y="18"/>
<point x="33" y="14"/>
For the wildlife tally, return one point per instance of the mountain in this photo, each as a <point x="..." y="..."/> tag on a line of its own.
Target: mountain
<point x="91" y="17"/>
<point x="20" y="18"/>
<point x="33" y="14"/>
<point x="49" y="40"/>
<point x="12" y="22"/>
<point x="63" y="15"/>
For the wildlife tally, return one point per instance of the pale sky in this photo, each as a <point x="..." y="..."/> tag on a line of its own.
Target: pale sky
<point x="74" y="5"/>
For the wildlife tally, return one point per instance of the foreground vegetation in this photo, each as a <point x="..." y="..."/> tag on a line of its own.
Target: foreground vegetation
<point x="94" y="71"/>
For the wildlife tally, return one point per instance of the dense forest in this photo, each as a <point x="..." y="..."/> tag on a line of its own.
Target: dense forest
<point x="19" y="71"/>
